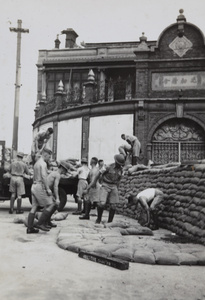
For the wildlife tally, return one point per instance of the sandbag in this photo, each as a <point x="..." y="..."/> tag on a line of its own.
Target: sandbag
<point x="106" y="249"/>
<point x="200" y="256"/>
<point x="124" y="253"/>
<point x="139" y="231"/>
<point x="144" y="257"/>
<point x="186" y="259"/>
<point x="166" y="258"/>
<point x="59" y="216"/>
<point x="117" y="224"/>
<point x="137" y="168"/>
<point x="19" y="220"/>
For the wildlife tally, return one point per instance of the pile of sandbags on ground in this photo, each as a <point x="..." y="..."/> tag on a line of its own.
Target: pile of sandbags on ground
<point x="183" y="208"/>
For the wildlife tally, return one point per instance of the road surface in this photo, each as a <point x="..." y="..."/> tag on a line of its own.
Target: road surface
<point x="33" y="267"/>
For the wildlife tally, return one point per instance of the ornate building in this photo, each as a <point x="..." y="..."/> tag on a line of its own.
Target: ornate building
<point x="92" y="93"/>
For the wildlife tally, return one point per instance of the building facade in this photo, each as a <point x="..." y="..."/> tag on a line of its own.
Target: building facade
<point x="91" y="94"/>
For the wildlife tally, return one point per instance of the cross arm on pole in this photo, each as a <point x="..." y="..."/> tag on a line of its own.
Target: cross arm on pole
<point x="19" y="30"/>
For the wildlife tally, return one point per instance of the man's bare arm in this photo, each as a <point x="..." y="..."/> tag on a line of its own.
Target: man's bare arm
<point x="144" y="204"/>
<point x="55" y="187"/>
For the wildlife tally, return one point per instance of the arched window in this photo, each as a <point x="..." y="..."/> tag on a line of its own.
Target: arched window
<point x="178" y="140"/>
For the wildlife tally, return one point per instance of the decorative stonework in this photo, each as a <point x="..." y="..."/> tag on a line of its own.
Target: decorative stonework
<point x="180" y="45"/>
<point x="173" y="130"/>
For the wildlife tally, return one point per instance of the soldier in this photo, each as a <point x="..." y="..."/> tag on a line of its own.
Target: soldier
<point x="82" y="173"/>
<point x="17" y="188"/>
<point x="92" y="191"/>
<point x="126" y="151"/>
<point x="41" y="193"/>
<point x="100" y="163"/>
<point x="149" y="199"/>
<point x="111" y="176"/>
<point x="135" y="144"/>
<point x="39" y="142"/>
<point x="53" y="183"/>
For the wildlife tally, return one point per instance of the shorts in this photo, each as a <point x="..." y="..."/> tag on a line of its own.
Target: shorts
<point x="40" y="196"/>
<point x="17" y="185"/>
<point x="94" y="194"/>
<point x="82" y="186"/>
<point x="136" y="148"/>
<point x="108" y="194"/>
<point x="159" y="197"/>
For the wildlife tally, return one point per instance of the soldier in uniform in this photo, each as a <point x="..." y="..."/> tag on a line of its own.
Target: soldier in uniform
<point x="17" y="188"/>
<point x="111" y="176"/>
<point x="82" y="173"/>
<point x="53" y="183"/>
<point x="41" y="193"/>
<point x="92" y="192"/>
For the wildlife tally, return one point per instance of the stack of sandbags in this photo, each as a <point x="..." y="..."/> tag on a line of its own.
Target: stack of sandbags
<point x="183" y="208"/>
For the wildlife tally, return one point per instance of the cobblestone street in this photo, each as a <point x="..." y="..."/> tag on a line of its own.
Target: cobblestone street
<point x="34" y="267"/>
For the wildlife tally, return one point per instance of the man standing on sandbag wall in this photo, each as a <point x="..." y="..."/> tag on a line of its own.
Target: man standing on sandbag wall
<point x="39" y="142"/>
<point x="136" y="147"/>
<point x="149" y="199"/>
<point x="17" y="188"/>
<point x="41" y="193"/>
<point x="92" y="192"/>
<point x="82" y="173"/>
<point x="53" y="183"/>
<point x="111" y="176"/>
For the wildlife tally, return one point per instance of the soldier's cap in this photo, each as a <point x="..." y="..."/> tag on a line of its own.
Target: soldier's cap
<point x="84" y="160"/>
<point x="20" y="154"/>
<point x="47" y="150"/>
<point x="64" y="164"/>
<point x="119" y="159"/>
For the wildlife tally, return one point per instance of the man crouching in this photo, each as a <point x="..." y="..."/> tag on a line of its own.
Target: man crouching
<point x="149" y="199"/>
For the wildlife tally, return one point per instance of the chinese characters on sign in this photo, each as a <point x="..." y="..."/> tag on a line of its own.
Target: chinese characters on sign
<point x="172" y="81"/>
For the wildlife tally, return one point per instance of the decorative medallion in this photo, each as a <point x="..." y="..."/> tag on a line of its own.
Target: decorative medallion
<point x="180" y="45"/>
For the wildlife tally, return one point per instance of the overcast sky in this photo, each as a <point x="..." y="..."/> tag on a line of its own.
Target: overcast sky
<point x="93" y="20"/>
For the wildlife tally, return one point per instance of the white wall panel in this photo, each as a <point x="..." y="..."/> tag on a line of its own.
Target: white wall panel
<point x="69" y="139"/>
<point x="105" y="135"/>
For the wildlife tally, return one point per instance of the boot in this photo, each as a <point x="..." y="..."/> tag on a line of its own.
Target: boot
<point x="12" y="205"/>
<point x="100" y="213"/>
<point x="111" y="215"/>
<point x="86" y="216"/>
<point x="42" y="220"/>
<point x="78" y="211"/>
<point x="83" y="211"/>
<point x="19" y="210"/>
<point x="49" y="223"/>
<point x="30" y="228"/>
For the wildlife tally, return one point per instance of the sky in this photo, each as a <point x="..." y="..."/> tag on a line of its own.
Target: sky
<point x="93" y="20"/>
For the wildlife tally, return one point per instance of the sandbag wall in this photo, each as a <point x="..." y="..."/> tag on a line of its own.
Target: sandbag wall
<point x="183" y="208"/>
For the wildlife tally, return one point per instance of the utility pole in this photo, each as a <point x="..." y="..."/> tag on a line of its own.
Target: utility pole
<point x="18" y="30"/>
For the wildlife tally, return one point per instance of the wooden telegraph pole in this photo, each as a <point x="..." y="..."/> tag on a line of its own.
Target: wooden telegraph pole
<point x="19" y="30"/>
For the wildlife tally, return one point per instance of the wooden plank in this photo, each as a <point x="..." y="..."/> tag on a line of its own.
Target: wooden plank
<point x="105" y="260"/>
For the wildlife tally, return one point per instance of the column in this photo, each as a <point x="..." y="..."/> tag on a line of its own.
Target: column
<point x="85" y="136"/>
